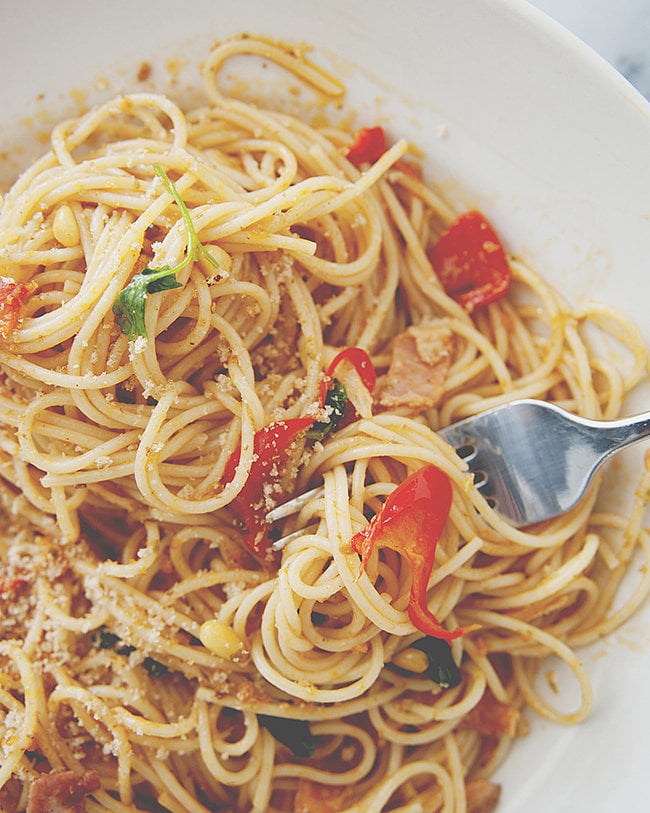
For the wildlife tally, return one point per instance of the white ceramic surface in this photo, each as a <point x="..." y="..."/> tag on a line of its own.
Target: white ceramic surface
<point x="518" y="118"/>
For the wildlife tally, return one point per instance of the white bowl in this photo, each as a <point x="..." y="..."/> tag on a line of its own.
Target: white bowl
<point x="516" y="117"/>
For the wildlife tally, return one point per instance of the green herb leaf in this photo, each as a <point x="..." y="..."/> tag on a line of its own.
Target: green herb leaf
<point x="193" y="242"/>
<point x="442" y="667"/>
<point x="129" y="305"/>
<point x="334" y="405"/>
<point x="295" y="734"/>
<point x="154" y="667"/>
<point x="103" y="638"/>
<point x="157" y="281"/>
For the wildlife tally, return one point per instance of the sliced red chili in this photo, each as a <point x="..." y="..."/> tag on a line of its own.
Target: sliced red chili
<point x="368" y="146"/>
<point x="13" y="296"/>
<point x="471" y="263"/>
<point x="408" y="169"/>
<point x="11" y="585"/>
<point x="410" y="522"/>
<point x="361" y="362"/>
<point x="271" y="446"/>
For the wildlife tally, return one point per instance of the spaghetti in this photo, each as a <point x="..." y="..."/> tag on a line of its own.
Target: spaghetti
<point x="149" y="657"/>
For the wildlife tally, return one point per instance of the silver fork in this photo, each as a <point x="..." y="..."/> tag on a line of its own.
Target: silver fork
<point x="531" y="459"/>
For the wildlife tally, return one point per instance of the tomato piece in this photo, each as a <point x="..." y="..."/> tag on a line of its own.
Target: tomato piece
<point x="271" y="447"/>
<point x="408" y="169"/>
<point x="13" y="296"/>
<point x="361" y="362"/>
<point x="410" y="522"/>
<point x="368" y="146"/>
<point x="9" y="586"/>
<point x="471" y="263"/>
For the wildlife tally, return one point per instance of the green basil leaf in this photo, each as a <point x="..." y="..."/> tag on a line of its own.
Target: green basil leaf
<point x="129" y="308"/>
<point x="154" y="667"/>
<point x="442" y="667"/>
<point x="103" y="638"/>
<point x="129" y="305"/>
<point x="295" y="734"/>
<point x="163" y="284"/>
<point x="334" y="405"/>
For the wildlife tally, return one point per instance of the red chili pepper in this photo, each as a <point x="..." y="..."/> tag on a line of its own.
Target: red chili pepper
<point x="471" y="263"/>
<point x="11" y="585"/>
<point x="271" y="446"/>
<point x="13" y="296"/>
<point x="408" y="169"/>
<point x="361" y="362"/>
<point x="410" y="522"/>
<point x="270" y="449"/>
<point x="369" y="145"/>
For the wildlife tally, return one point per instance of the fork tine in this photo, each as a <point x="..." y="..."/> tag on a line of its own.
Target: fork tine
<point x="531" y="459"/>
<point x="294" y="505"/>
<point x="284" y="540"/>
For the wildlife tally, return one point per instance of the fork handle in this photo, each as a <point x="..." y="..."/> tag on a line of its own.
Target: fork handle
<point x="612" y="436"/>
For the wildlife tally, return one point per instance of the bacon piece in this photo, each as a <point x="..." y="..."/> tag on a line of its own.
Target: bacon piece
<point x="482" y="795"/>
<point x="13" y="296"/>
<point x="491" y="718"/>
<point x="62" y="792"/>
<point x="315" y="798"/>
<point x="419" y="365"/>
